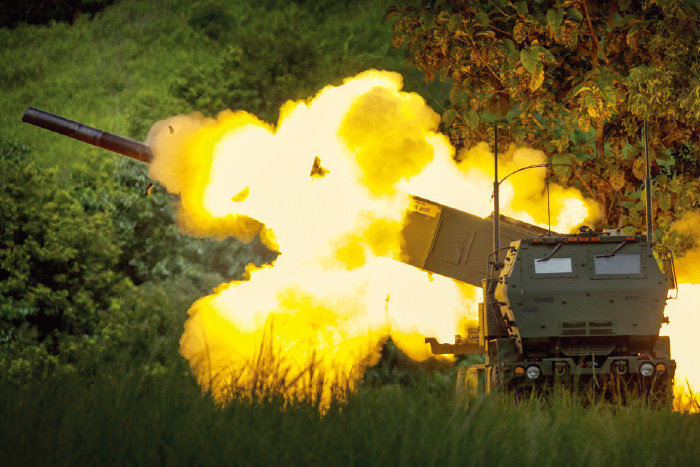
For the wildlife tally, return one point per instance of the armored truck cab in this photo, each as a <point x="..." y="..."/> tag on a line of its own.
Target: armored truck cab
<point x="583" y="308"/>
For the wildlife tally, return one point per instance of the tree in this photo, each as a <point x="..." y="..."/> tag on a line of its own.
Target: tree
<point x="576" y="79"/>
<point x="57" y="261"/>
<point x="92" y="270"/>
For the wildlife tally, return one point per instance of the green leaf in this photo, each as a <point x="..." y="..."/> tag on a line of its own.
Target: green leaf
<point x="547" y="55"/>
<point x="561" y="159"/>
<point x="537" y="77"/>
<point x="427" y="20"/>
<point x="471" y="117"/>
<point x="540" y="118"/>
<point x="627" y="204"/>
<point x="562" y="172"/>
<point x="455" y="22"/>
<point x="663" y="200"/>
<point x="509" y="46"/>
<point x="519" y="132"/>
<point x="675" y="186"/>
<point x="620" y="20"/>
<point x="513" y="58"/>
<point x="449" y="116"/>
<point x="522" y="8"/>
<point x="579" y="136"/>
<point x="513" y="113"/>
<point x="554" y="18"/>
<point x="530" y="58"/>
<point x="455" y="95"/>
<point x="574" y="14"/>
<point x="665" y="163"/>
<point x="625" y="151"/>
<point x="488" y="117"/>
<point x="482" y="18"/>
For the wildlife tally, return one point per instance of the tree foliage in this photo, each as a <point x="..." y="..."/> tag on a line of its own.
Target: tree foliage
<point x="57" y="268"/>
<point x="576" y="79"/>
<point x="93" y="271"/>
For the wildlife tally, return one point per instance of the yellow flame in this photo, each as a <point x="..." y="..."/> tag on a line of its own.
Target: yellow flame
<point x="684" y="316"/>
<point x="335" y="292"/>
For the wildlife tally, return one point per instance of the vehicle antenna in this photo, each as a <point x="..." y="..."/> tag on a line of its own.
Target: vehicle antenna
<point x="495" y="192"/>
<point x="549" y="216"/>
<point x="650" y="221"/>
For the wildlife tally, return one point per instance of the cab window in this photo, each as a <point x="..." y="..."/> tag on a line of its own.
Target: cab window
<point x="553" y="266"/>
<point x="618" y="264"/>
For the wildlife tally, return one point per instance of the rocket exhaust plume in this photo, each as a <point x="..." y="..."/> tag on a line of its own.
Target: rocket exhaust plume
<point x="327" y="188"/>
<point x="684" y="314"/>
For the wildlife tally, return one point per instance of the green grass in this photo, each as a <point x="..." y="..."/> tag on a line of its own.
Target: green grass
<point x="165" y="420"/>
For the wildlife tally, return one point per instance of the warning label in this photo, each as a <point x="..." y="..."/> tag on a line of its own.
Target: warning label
<point x="424" y="208"/>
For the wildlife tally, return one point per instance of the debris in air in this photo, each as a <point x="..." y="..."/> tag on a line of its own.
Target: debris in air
<point x="241" y="195"/>
<point x="317" y="170"/>
<point x="172" y="130"/>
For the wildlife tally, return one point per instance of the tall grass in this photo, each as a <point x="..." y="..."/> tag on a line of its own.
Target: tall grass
<point x="135" y="419"/>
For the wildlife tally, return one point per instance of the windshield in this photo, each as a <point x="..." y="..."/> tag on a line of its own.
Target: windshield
<point x="618" y="264"/>
<point x="553" y="265"/>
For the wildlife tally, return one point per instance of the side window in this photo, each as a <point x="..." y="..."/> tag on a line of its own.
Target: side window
<point x="618" y="264"/>
<point x="553" y="266"/>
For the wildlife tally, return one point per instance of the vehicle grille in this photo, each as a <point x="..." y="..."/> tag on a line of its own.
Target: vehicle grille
<point x="587" y="328"/>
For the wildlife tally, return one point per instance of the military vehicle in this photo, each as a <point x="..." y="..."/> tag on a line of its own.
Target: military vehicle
<point x="583" y="308"/>
<point x="578" y="309"/>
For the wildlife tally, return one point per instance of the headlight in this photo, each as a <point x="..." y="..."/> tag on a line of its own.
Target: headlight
<point x="519" y="371"/>
<point x="646" y="369"/>
<point x="533" y="372"/>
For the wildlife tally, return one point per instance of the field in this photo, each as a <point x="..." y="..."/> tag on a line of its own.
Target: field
<point x="141" y="420"/>
<point x="96" y="280"/>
